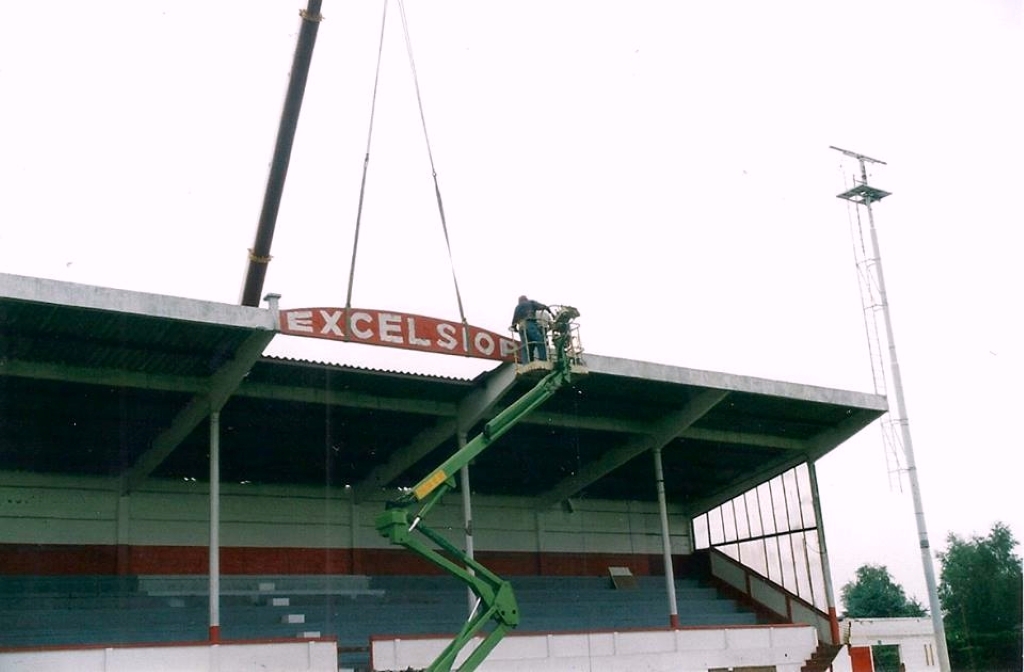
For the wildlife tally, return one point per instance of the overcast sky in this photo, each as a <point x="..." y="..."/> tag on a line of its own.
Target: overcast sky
<point x="663" y="166"/>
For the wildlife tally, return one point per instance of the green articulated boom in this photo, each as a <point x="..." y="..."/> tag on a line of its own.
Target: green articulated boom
<point x="402" y="520"/>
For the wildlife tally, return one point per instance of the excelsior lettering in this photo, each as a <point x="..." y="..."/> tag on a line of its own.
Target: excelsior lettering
<point x="390" y="327"/>
<point x="484" y="343"/>
<point x="446" y="336"/>
<point x="411" y="328"/>
<point x="359" y="332"/>
<point x="300" y="321"/>
<point x="331" y="320"/>
<point x="400" y="330"/>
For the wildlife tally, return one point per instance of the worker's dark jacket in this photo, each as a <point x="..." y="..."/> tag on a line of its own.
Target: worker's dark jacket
<point x="526" y="310"/>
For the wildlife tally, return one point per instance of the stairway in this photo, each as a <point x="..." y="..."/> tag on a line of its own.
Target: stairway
<point x="822" y="658"/>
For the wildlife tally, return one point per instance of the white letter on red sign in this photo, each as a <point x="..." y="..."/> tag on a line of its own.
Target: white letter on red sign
<point x="411" y="326"/>
<point x="446" y="336"/>
<point x="390" y="327"/>
<point x="300" y="320"/>
<point x="484" y="343"/>
<point x="361" y="334"/>
<point x="331" y="325"/>
<point x="507" y="347"/>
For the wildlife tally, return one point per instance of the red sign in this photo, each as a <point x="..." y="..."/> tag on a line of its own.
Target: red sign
<point x="397" y="330"/>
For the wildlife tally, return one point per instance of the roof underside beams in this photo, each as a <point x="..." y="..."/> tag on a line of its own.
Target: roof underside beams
<point x="657" y="435"/>
<point x="449" y="416"/>
<point x="749" y="481"/>
<point x="631" y="426"/>
<point x="476" y="406"/>
<point x="808" y="450"/>
<point x="221" y="384"/>
<point x="110" y="377"/>
<point x="469" y="411"/>
<point x="827" y="439"/>
<point x="481" y="401"/>
<point x="106" y="382"/>
<point x="405" y="457"/>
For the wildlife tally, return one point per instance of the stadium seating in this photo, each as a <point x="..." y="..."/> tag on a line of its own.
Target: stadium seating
<point x="49" y="611"/>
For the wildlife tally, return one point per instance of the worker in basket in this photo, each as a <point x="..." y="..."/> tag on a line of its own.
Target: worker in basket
<point x="531" y="319"/>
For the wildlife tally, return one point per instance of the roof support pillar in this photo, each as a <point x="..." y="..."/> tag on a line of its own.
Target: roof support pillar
<point x="221" y="386"/>
<point x="666" y="540"/>
<point x="826" y="569"/>
<point x="215" y="527"/>
<point x="467" y="519"/>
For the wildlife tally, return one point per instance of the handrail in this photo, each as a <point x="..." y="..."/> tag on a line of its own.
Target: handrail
<point x="759" y="590"/>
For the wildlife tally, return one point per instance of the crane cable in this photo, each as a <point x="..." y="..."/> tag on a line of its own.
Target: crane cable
<point x="366" y="163"/>
<point x="430" y="156"/>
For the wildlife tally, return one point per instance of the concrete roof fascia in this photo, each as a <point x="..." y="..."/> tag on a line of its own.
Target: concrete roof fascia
<point x="615" y="366"/>
<point x="61" y="293"/>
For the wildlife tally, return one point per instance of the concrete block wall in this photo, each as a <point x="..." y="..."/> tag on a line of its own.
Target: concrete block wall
<point x="63" y="524"/>
<point x="313" y="656"/>
<point x="786" y="648"/>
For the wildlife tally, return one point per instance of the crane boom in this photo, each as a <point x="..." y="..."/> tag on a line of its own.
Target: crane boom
<point x="259" y="253"/>
<point x="496" y="602"/>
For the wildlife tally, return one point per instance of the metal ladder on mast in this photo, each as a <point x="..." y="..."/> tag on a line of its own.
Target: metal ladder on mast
<point x="858" y="194"/>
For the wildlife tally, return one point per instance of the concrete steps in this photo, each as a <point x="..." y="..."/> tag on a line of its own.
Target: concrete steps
<point x="75" y="610"/>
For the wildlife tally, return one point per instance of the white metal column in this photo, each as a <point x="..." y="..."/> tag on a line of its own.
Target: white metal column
<point x="826" y="568"/>
<point x="215" y="526"/>
<point x="467" y="518"/>
<point x="666" y="541"/>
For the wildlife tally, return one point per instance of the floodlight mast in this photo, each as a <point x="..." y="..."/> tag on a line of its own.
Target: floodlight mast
<point x="863" y="194"/>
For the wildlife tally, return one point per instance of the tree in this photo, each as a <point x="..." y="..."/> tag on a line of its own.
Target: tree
<point x="873" y="594"/>
<point x="981" y="595"/>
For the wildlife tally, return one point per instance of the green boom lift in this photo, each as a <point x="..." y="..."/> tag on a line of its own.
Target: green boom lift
<point x="402" y="520"/>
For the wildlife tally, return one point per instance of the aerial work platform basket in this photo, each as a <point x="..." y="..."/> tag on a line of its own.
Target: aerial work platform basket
<point x="561" y="340"/>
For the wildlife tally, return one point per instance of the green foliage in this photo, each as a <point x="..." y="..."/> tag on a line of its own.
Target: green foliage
<point x="873" y="594"/>
<point x="981" y="595"/>
<point x="886" y="657"/>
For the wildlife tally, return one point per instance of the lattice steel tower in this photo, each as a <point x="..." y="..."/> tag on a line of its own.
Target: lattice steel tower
<point x="873" y="298"/>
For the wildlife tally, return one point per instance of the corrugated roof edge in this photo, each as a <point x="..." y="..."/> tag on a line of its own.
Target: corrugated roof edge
<point x="349" y="367"/>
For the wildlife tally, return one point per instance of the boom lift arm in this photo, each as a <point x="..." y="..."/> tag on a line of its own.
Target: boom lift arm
<point x="495" y="599"/>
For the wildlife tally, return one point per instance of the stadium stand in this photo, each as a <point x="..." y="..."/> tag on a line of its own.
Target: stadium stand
<point x="56" y="611"/>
